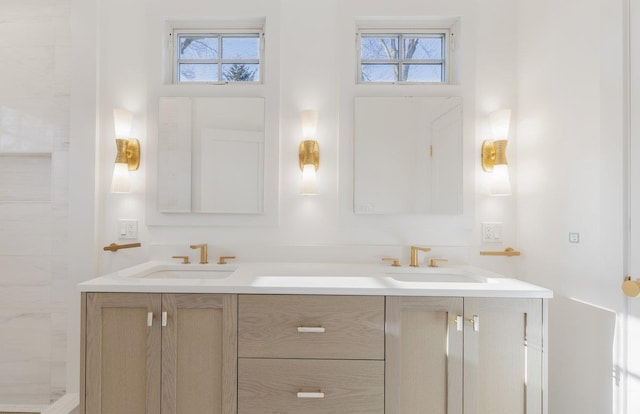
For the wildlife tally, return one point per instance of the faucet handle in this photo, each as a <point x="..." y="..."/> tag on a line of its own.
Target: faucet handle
<point x="223" y="259"/>
<point x="395" y="261"/>
<point x="434" y="262"/>
<point x="185" y="259"/>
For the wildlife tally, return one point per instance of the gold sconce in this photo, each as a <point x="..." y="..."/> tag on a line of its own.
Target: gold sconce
<point x="309" y="153"/>
<point x="494" y="153"/>
<point x="128" y="156"/>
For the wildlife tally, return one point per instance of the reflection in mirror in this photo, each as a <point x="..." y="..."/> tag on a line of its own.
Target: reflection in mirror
<point x="408" y="155"/>
<point x="211" y="155"/>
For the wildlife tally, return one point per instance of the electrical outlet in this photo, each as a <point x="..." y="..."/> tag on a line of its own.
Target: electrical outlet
<point x="128" y="229"/>
<point x="574" y="237"/>
<point x="491" y="232"/>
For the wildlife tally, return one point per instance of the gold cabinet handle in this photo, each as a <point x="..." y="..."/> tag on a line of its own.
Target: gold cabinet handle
<point x="395" y="262"/>
<point x="223" y="259"/>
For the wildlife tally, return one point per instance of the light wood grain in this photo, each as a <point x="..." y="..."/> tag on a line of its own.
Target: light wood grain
<point x="503" y="359"/>
<point x="354" y="326"/>
<point x="271" y="386"/>
<point x="199" y="369"/>
<point x="423" y="356"/>
<point x="123" y="354"/>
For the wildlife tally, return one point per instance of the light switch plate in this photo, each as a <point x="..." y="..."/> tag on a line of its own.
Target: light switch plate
<point x="574" y="237"/>
<point x="128" y="229"/>
<point x="491" y="232"/>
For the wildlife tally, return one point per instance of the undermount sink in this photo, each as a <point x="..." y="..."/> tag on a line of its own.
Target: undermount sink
<point x="194" y="271"/>
<point x="433" y="275"/>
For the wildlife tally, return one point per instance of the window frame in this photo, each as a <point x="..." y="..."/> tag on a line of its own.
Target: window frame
<point x="220" y="33"/>
<point x="401" y="34"/>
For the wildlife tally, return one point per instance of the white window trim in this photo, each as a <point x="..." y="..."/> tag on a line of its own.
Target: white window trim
<point x="215" y="28"/>
<point x="449" y="46"/>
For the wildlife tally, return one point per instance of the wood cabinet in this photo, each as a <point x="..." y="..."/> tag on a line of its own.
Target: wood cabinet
<point x="311" y="326"/>
<point x="503" y="352"/>
<point x="424" y="355"/>
<point x="314" y="354"/>
<point x="311" y="354"/>
<point x="159" y="353"/>
<point x="489" y="347"/>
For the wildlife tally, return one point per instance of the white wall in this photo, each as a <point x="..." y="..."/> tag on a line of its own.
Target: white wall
<point x="570" y="179"/>
<point x="124" y="69"/>
<point x="309" y="64"/>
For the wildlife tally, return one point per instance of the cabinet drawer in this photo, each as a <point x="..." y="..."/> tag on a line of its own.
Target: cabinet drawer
<point x="270" y="386"/>
<point x="306" y="326"/>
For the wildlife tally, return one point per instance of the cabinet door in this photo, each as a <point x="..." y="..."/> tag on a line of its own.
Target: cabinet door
<point x="503" y="356"/>
<point x="123" y="353"/>
<point x="424" y="355"/>
<point x="199" y="350"/>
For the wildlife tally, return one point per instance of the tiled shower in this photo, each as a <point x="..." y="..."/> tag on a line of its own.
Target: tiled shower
<point x="35" y="49"/>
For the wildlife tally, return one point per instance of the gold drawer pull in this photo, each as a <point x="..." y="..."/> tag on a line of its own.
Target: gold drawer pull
<point x="317" y="394"/>
<point x="311" y="329"/>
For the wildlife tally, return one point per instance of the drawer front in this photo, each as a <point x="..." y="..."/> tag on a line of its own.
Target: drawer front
<point x="306" y="326"/>
<point x="283" y="386"/>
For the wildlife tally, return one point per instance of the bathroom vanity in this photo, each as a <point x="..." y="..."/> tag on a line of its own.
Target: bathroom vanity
<point x="311" y="338"/>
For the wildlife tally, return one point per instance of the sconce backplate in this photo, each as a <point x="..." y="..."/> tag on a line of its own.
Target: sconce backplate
<point x="128" y="153"/>
<point x="309" y="153"/>
<point x="493" y="153"/>
<point x="488" y="155"/>
<point x="133" y="154"/>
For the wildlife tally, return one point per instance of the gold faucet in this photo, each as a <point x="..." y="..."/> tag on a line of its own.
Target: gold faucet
<point x="203" y="252"/>
<point x="414" y="254"/>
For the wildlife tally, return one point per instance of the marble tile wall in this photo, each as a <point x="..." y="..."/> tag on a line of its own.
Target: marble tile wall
<point x="35" y="43"/>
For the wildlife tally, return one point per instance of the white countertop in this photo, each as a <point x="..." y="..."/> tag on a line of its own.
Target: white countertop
<point x="312" y="278"/>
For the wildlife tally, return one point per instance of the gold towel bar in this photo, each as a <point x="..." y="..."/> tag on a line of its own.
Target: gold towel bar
<point x="507" y="252"/>
<point x="113" y="247"/>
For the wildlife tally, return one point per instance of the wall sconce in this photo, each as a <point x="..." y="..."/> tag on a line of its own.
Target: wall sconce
<point x="494" y="153"/>
<point x="309" y="153"/>
<point x="128" y="156"/>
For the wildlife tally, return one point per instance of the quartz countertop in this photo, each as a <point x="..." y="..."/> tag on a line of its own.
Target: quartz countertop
<point x="312" y="278"/>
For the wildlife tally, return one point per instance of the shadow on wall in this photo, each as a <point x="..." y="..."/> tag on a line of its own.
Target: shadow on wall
<point x="581" y="343"/>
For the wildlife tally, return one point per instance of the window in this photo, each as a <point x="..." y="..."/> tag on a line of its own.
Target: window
<point x="403" y="57"/>
<point x="222" y="57"/>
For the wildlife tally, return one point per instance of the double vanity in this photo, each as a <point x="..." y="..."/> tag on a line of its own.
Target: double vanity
<point x="275" y="338"/>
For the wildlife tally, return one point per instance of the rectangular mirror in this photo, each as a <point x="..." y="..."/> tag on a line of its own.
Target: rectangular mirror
<point x="408" y="155"/>
<point x="211" y="155"/>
